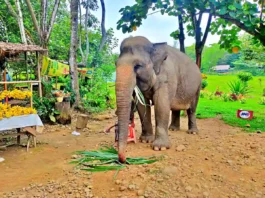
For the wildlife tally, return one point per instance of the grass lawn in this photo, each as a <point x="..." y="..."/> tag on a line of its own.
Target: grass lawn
<point x="227" y="110"/>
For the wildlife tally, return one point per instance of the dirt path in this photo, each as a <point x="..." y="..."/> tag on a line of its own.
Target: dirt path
<point x="222" y="161"/>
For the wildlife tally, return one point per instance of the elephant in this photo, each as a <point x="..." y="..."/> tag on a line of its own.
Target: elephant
<point x="167" y="78"/>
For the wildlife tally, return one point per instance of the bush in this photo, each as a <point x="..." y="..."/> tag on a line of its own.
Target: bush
<point x="262" y="101"/>
<point x="96" y="93"/>
<point x="238" y="87"/>
<point x="204" y="84"/>
<point x="245" y="76"/>
<point x="204" y="76"/>
<point x="263" y="94"/>
<point x="225" y="97"/>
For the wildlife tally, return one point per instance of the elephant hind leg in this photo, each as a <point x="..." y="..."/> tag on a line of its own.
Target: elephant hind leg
<point x="175" y="121"/>
<point x="193" y="129"/>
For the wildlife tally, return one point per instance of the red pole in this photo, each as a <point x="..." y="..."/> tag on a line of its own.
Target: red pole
<point x="5" y="85"/>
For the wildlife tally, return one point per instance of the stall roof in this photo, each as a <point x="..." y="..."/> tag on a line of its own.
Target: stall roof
<point x="18" y="48"/>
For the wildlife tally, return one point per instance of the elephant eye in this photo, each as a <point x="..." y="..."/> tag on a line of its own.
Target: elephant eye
<point x="136" y="67"/>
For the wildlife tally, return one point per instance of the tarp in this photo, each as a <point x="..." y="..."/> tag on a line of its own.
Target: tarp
<point x="20" y="122"/>
<point x="54" y="68"/>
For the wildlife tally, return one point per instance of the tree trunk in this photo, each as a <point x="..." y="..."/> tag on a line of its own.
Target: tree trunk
<point x="87" y="36"/>
<point x="19" y="19"/>
<point x="103" y="29"/>
<point x="199" y="57"/>
<point x="65" y="112"/>
<point x="21" y="23"/>
<point x="181" y="34"/>
<point x="73" y="50"/>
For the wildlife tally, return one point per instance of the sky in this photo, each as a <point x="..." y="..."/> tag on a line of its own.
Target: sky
<point x="156" y="27"/>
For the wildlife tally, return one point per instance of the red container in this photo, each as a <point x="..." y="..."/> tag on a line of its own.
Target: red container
<point x="245" y="114"/>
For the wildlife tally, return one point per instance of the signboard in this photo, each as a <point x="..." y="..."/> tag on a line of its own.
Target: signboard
<point x="245" y="114"/>
<point x="54" y="68"/>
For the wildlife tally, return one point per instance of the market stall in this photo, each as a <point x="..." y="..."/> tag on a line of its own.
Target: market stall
<point x="14" y="115"/>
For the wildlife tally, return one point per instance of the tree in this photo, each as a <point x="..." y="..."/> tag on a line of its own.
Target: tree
<point x="239" y="15"/>
<point x="103" y="29"/>
<point x="73" y="50"/>
<point x="188" y="12"/>
<point x="19" y="18"/>
<point x="45" y="28"/>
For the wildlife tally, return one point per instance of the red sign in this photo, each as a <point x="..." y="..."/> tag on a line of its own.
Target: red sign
<point x="245" y="114"/>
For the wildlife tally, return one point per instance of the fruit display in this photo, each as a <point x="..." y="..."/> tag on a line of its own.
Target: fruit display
<point x="16" y="94"/>
<point x="6" y="111"/>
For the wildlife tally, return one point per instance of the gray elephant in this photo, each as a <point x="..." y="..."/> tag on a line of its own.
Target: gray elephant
<point x="165" y="76"/>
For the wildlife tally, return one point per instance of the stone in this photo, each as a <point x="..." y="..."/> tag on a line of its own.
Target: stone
<point x="188" y="189"/>
<point x="118" y="182"/>
<point x="205" y="194"/>
<point x="140" y="192"/>
<point x="122" y="188"/>
<point x="131" y="187"/>
<point x="170" y="170"/>
<point x="180" y="148"/>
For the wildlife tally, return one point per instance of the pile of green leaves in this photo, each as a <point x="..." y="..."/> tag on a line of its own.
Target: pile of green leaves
<point x="106" y="159"/>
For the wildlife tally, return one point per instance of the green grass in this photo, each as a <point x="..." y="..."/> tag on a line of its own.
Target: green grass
<point x="211" y="108"/>
<point x="227" y="110"/>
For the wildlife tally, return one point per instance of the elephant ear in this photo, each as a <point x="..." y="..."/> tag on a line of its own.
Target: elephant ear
<point x="158" y="55"/>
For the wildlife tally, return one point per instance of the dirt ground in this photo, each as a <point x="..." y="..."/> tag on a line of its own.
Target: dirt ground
<point x="222" y="161"/>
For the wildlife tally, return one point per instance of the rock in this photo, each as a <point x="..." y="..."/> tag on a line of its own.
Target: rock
<point x="253" y="146"/>
<point x="247" y="125"/>
<point x="180" y="148"/>
<point x="140" y="192"/>
<point x="170" y="170"/>
<point x="118" y="182"/>
<point x="122" y="188"/>
<point x="205" y="194"/>
<point x="230" y="162"/>
<point x="188" y="189"/>
<point x="131" y="187"/>
<point x="74" y="156"/>
<point x="258" y="131"/>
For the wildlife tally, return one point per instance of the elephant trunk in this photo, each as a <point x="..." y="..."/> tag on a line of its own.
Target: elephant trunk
<point x="125" y="83"/>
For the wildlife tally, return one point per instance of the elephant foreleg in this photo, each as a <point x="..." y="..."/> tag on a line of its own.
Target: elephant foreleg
<point x="175" y="121"/>
<point x="145" y="117"/>
<point x="162" y="111"/>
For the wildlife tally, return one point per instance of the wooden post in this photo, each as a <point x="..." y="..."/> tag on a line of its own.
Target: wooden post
<point x="26" y="63"/>
<point x="81" y="122"/>
<point x="39" y="77"/>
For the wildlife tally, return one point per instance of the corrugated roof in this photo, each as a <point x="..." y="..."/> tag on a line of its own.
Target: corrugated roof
<point x="18" y="47"/>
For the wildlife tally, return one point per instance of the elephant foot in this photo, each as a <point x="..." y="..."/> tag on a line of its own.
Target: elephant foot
<point x="193" y="131"/>
<point x="174" y="128"/>
<point x="161" y="144"/>
<point x="147" y="138"/>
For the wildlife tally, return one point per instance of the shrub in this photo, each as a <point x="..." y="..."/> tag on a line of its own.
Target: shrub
<point x="204" y="84"/>
<point x="243" y="101"/>
<point x="263" y="94"/>
<point x="225" y="97"/>
<point x="262" y="101"/>
<point x="96" y="93"/>
<point x="245" y="76"/>
<point x="238" y="87"/>
<point x="204" y="76"/>
<point x="218" y="93"/>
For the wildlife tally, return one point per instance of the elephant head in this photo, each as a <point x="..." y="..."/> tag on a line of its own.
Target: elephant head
<point x="139" y="64"/>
